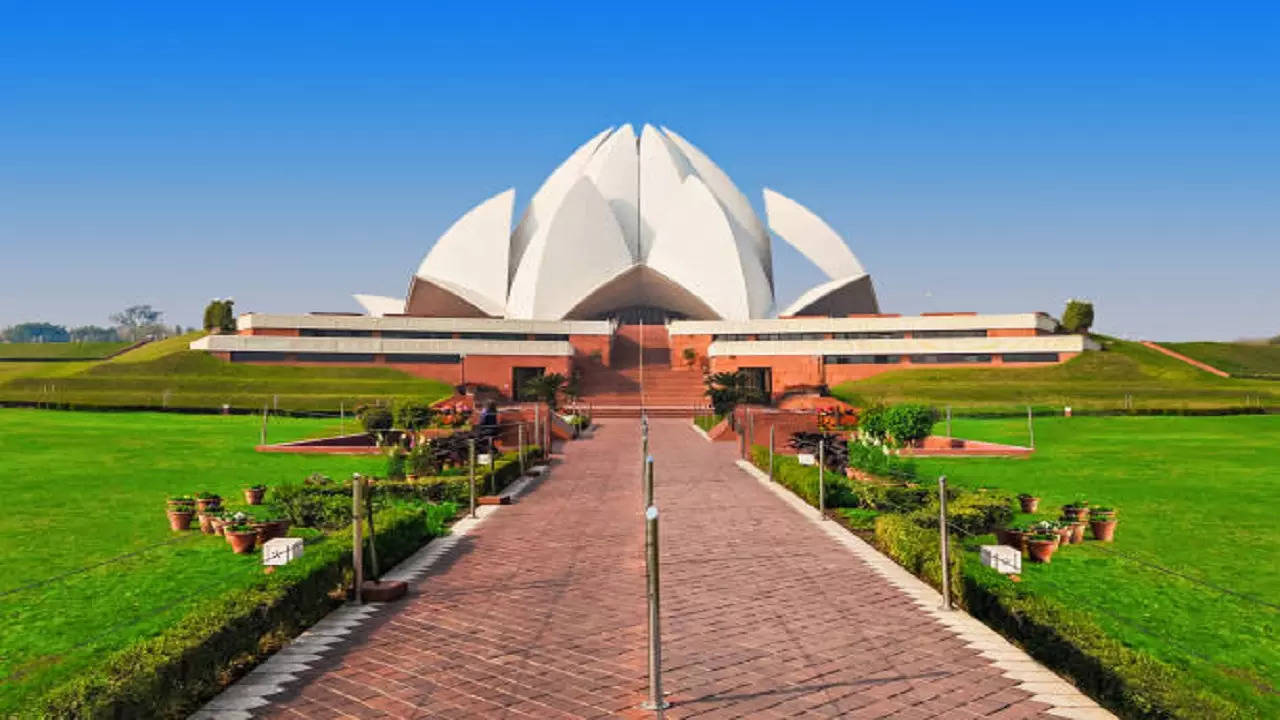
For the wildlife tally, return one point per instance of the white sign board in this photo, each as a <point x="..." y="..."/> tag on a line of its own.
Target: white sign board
<point x="807" y="459"/>
<point x="483" y="459"/>
<point x="281" y="551"/>
<point x="1001" y="558"/>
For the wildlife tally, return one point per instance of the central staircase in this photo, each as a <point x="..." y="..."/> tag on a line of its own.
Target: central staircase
<point x="616" y="391"/>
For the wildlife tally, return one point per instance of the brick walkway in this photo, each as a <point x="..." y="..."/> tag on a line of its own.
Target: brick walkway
<point x="540" y="611"/>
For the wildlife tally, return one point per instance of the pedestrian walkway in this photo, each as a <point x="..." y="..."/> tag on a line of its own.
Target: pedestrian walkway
<point x="539" y="611"/>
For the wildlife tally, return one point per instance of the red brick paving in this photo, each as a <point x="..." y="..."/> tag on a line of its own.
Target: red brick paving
<point x="540" y="612"/>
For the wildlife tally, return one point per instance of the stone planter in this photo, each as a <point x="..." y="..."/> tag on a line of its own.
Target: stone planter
<point x="180" y="519"/>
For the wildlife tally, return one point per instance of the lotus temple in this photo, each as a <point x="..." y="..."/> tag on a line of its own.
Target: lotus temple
<point x="640" y="265"/>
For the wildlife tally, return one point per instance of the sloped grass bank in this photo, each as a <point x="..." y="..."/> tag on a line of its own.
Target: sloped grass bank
<point x="1144" y="625"/>
<point x="167" y="374"/>
<point x="60" y="351"/>
<point x="1124" y="376"/>
<point x="1245" y="360"/>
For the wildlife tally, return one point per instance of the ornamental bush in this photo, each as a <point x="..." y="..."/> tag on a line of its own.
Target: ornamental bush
<point x="874" y="423"/>
<point x="413" y="415"/>
<point x="908" y="423"/>
<point x="375" y="419"/>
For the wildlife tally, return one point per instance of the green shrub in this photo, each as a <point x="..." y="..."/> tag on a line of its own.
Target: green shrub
<point x="1128" y="681"/>
<point x="803" y="479"/>
<point x="413" y="415"/>
<point x="375" y="419"/>
<point x="169" y="675"/>
<point x="873" y="459"/>
<point x="908" y="423"/>
<point x="873" y="423"/>
<point x="891" y="498"/>
<point x="396" y="464"/>
<point x="969" y="513"/>
<point x="916" y="549"/>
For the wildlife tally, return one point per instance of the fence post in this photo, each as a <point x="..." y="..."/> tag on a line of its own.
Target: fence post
<point x="771" y="429"/>
<point x="471" y="465"/>
<point x="263" y="433"/>
<point x="537" y="428"/>
<point x="948" y="421"/>
<point x="822" y="478"/>
<point x="357" y="540"/>
<point x="648" y="481"/>
<point x="656" y="701"/>
<point x="520" y="445"/>
<point x="342" y="418"/>
<point x="1031" y="428"/>
<point x="493" y="461"/>
<point x="944" y="542"/>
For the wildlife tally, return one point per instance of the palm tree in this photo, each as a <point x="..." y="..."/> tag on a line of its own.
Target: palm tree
<point x="546" y="388"/>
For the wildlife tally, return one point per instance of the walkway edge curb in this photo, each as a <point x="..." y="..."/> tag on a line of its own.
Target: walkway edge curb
<point x="1064" y="699"/>
<point x="279" y="670"/>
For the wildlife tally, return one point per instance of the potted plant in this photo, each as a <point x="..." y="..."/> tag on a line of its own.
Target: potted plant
<point x="1029" y="502"/>
<point x="1078" y="509"/>
<point x="241" y="537"/>
<point x="180" y="516"/>
<point x="1077" y="528"/>
<point x="206" y="521"/>
<point x="1046" y="527"/>
<point x="1041" y="546"/>
<point x="181" y="501"/>
<point x="253" y="494"/>
<point x="207" y="501"/>
<point x="1103" y="524"/>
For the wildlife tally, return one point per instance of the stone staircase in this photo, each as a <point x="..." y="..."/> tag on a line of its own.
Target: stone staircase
<point x="616" y="391"/>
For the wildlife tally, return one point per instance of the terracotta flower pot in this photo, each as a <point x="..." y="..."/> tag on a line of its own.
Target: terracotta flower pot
<point x="1003" y="537"/>
<point x="241" y="542"/>
<point x="1017" y="539"/>
<point x="218" y="524"/>
<point x="1077" y="532"/>
<point x="253" y="496"/>
<point x="1029" y="504"/>
<point x="208" y="504"/>
<point x="1064" y="535"/>
<point x="180" y="519"/>
<point x="1041" y="551"/>
<point x="206" y="523"/>
<point x="1103" y="530"/>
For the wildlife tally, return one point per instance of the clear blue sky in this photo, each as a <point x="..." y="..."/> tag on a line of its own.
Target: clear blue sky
<point x="991" y="157"/>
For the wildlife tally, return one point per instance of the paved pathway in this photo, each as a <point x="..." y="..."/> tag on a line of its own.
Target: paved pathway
<point x="539" y="611"/>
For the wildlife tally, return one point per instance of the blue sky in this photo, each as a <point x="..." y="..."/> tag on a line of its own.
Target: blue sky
<point x="993" y="157"/>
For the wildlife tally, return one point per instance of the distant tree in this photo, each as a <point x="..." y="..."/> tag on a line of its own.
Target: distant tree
<point x="36" y="332"/>
<point x="1275" y="340"/>
<point x="138" y="321"/>
<point x="727" y="389"/>
<point x="220" y="315"/>
<point x="93" y="333"/>
<point x="1078" y="316"/>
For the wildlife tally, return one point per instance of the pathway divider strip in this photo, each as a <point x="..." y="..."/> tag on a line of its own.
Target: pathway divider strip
<point x="276" y="673"/>
<point x="1044" y="686"/>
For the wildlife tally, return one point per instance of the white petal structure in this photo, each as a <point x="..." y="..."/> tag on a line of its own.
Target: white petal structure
<point x="849" y="289"/>
<point x="628" y="223"/>
<point x="582" y="249"/>
<point x="379" y="305"/>
<point x="469" y="262"/>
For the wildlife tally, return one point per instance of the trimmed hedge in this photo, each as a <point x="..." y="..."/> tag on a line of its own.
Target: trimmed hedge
<point x="169" y="675"/>
<point x="1129" y="682"/>
<point x="803" y="479"/>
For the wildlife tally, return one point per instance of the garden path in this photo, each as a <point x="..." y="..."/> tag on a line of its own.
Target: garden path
<point x="539" y="611"/>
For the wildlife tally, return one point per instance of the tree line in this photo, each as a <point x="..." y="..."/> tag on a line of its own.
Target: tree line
<point x="134" y="323"/>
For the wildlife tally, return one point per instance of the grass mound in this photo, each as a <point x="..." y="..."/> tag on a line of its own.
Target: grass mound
<point x="1244" y="360"/>
<point x="60" y="351"/>
<point x="1091" y="381"/>
<point x="167" y="374"/>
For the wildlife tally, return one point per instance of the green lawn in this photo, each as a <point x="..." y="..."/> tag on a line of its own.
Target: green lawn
<point x="1197" y="496"/>
<point x="82" y="488"/>
<point x="60" y="351"/>
<point x="1246" y="360"/>
<point x="1092" y="381"/>
<point x="167" y="374"/>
